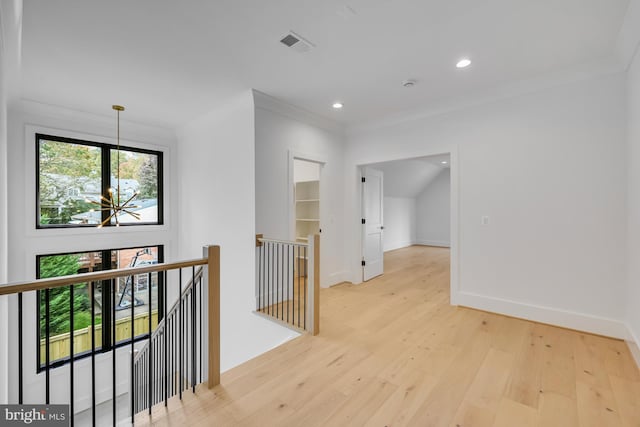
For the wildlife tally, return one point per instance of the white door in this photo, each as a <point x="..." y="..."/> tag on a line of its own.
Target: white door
<point x="372" y="215"/>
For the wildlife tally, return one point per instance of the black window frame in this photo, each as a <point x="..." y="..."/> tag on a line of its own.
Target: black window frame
<point x="105" y="178"/>
<point x="107" y="345"/>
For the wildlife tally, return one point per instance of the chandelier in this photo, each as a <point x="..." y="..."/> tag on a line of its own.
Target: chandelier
<point x="113" y="202"/>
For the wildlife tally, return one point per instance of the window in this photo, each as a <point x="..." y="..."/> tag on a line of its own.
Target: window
<point x="72" y="172"/>
<point x="142" y="291"/>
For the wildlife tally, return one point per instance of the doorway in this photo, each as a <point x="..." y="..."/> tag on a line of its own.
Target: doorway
<point x="404" y="203"/>
<point x="306" y="199"/>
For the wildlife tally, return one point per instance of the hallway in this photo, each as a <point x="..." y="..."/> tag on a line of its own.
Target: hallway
<point x="393" y="352"/>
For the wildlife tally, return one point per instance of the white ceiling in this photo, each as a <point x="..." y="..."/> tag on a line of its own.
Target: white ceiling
<point x="169" y="61"/>
<point x="410" y="177"/>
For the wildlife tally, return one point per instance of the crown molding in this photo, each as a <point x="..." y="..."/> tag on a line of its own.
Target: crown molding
<point x="270" y="103"/>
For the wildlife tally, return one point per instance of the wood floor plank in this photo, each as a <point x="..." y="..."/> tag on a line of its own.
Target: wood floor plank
<point x="444" y="400"/>
<point x="525" y="384"/>
<point x="511" y="413"/>
<point x="596" y="406"/>
<point x="483" y="396"/>
<point x="626" y="393"/>
<point x="558" y="410"/>
<point x="393" y="352"/>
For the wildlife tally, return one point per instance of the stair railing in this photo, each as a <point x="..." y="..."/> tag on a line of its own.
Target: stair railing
<point x="288" y="282"/>
<point x="197" y="344"/>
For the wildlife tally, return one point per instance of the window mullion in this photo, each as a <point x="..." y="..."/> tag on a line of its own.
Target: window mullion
<point x="106" y="179"/>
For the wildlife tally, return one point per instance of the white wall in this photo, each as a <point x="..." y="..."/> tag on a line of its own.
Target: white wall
<point x="433" y="212"/>
<point x="633" y="296"/>
<point x="283" y="131"/>
<point x="548" y="169"/>
<point x="305" y="171"/>
<point x="399" y="222"/>
<point x="4" y="308"/>
<point x="25" y="119"/>
<point x="217" y="206"/>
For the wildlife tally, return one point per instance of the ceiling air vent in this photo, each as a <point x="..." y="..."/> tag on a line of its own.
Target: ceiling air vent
<point x="296" y="42"/>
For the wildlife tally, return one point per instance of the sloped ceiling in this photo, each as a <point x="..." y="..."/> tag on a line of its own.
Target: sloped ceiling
<point x="408" y="178"/>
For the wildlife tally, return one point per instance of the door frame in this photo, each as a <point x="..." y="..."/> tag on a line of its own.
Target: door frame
<point x="321" y="160"/>
<point x="454" y="261"/>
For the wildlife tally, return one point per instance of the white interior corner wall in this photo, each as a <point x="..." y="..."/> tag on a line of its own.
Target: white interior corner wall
<point x="217" y="206"/>
<point x="547" y="168"/>
<point x="283" y="131"/>
<point x="399" y="222"/>
<point x="10" y="36"/>
<point x="433" y="212"/>
<point x="25" y="119"/>
<point x="4" y="303"/>
<point x="633" y="274"/>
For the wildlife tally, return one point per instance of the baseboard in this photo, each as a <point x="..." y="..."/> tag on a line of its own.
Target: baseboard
<point x="439" y="243"/>
<point x="633" y="344"/>
<point x="552" y="316"/>
<point x="337" y="277"/>
<point x="400" y="245"/>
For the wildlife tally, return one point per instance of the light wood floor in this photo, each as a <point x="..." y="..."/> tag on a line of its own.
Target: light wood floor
<point x="392" y="352"/>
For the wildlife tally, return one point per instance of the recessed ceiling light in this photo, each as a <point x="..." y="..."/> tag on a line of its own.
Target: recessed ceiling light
<point x="463" y="63"/>
<point x="337" y="105"/>
<point x="444" y="162"/>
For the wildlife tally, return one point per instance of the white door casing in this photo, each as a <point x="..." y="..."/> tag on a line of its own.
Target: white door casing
<point x="373" y="228"/>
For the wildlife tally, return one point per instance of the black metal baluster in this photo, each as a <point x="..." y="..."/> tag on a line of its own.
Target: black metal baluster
<point x="133" y="339"/>
<point x="193" y="329"/>
<point x="298" y="284"/>
<point x="272" y="279"/>
<point x="93" y="354"/>
<point x="200" y="291"/>
<point x="47" y="345"/>
<point x="288" y="247"/>
<point x="181" y="330"/>
<point x="293" y="286"/>
<point x="282" y="281"/>
<point x="277" y="281"/>
<point x="114" y="353"/>
<point x="174" y="360"/>
<point x="268" y="278"/>
<point x="262" y="284"/>
<point x="20" y="350"/>
<point x="71" y="354"/>
<point x="259" y="273"/>
<point x="164" y="304"/>
<point x="306" y="275"/>
<point x="150" y="355"/>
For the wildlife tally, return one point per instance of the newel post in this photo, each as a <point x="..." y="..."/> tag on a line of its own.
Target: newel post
<point x="212" y="253"/>
<point x="313" y="284"/>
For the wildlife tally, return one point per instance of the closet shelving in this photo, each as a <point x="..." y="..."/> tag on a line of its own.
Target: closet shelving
<point x="307" y="197"/>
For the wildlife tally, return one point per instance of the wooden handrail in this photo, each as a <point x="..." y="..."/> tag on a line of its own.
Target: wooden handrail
<point x="56" y="282"/>
<point x="260" y="240"/>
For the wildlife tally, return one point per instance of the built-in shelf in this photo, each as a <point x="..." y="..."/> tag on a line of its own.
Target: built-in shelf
<point x="307" y="210"/>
